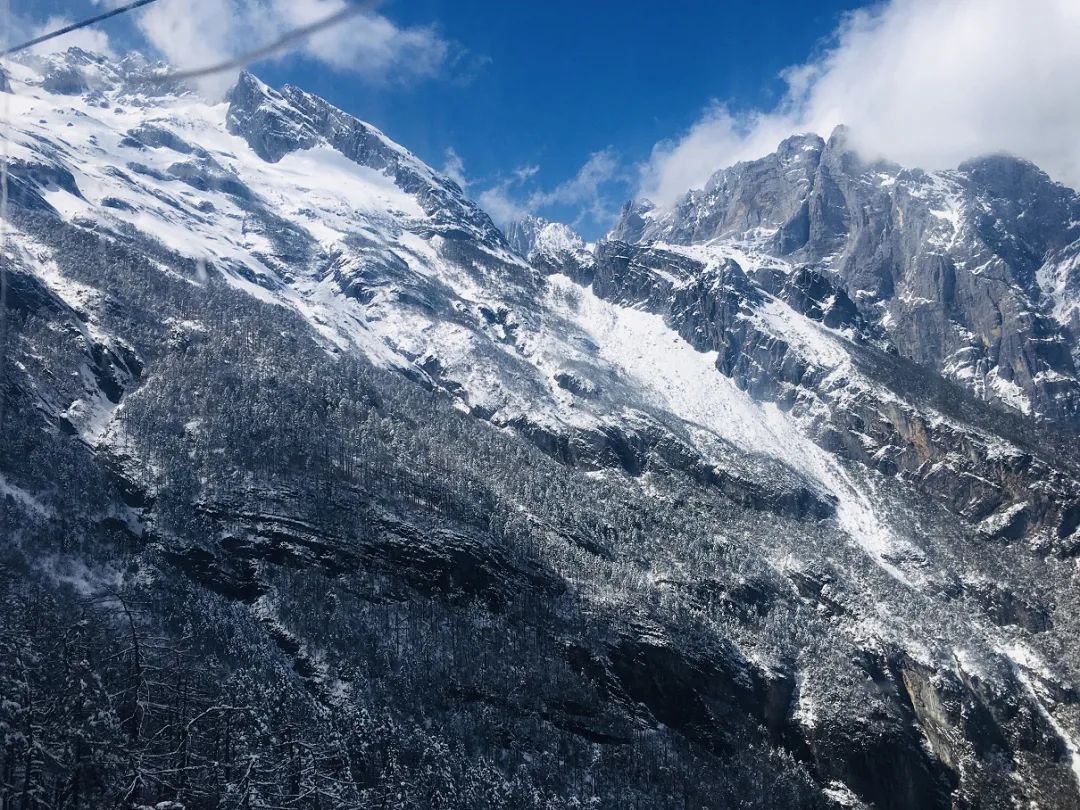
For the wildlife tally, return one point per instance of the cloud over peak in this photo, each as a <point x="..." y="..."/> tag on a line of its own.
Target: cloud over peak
<point x="927" y="83"/>
<point x="89" y="39"/>
<point x="589" y="192"/>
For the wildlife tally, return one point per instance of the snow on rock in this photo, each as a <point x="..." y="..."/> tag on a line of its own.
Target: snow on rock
<point x="23" y="499"/>
<point x="357" y="250"/>
<point x="1025" y="663"/>
<point x="685" y="382"/>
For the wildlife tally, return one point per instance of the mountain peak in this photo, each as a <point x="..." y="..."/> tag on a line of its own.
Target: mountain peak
<point x="804" y="142"/>
<point x="889" y="233"/>
<point x="1009" y="175"/>
<point x="840" y="136"/>
<point x="551" y="247"/>
<point x="262" y="115"/>
<point x="76" y="71"/>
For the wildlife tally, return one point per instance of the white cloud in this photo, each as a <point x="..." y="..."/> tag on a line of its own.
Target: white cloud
<point x="454" y="167"/>
<point x="588" y="191"/>
<point x="89" y="39"/>
<point x="924" y="82"/>
<point x="716" y="140"/>
<point x="193" y="34"/>
<point x="500" y="203"/>
<point x="368" y="44"/>
<point x="584" y="188"/>
<point x="523" y="173"/>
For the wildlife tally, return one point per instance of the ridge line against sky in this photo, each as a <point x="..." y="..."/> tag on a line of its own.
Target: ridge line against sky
<point x="927" y="83"/>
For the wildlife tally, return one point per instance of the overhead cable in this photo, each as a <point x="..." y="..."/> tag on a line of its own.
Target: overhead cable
<point x="290" y="37"/>
<point x="67" y="29"/>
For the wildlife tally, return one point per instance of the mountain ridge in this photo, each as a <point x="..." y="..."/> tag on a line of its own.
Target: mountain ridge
<point x="812" y="197"/>
<point x="403" y="504"/>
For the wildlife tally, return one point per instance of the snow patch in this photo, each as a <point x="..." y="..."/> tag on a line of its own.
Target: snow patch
<point x="686" y="382"/>
<point x="1023" y="661"/>
<point x="23" y="498"/>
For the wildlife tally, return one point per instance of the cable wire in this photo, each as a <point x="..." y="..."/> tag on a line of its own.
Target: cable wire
<point x="67" y="29"/>
<point x="290" y="37"/>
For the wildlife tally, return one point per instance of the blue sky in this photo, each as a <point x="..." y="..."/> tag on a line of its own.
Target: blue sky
<point x="569" y="108"/>
<point x="559" y="81"/>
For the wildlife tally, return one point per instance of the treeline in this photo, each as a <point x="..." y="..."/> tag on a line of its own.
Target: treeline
<point x="105" y="707"/>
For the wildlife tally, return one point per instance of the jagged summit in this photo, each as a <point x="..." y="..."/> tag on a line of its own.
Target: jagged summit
<point x="550" y="246"/>
<point x="77" y="71"/>
<point x="971" y="272"/>
<point x="277" y="123"/>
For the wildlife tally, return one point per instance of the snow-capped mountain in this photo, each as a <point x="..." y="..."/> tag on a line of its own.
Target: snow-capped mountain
<point x="551" y="247"/>
<point x="778" y="485"/>
<point x="972" y="273"/>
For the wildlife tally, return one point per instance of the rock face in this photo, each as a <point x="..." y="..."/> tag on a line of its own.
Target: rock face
<point x="970" y="273"/>
<point x="275" y="124"/>
<point x="552" y="247"/>
<point x="319" y="490"/>
<point x="853" y="401"/>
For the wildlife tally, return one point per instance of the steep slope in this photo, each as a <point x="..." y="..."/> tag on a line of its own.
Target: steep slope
<point x="401" y="506"/>
<point x="551" y="247"/>
<point x="970" y="272"/>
